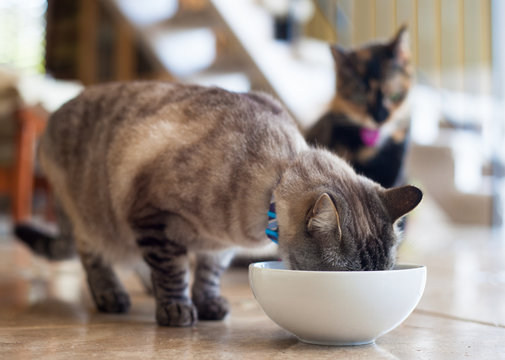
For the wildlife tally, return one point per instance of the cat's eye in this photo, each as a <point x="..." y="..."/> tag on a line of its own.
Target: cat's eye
<point x="358" y="98"/>
<point x="396" y="98"/>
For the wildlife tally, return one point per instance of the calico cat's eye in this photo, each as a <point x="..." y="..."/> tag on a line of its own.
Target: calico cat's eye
<point x="358" y="98"/>
<point x="397" y="97"/>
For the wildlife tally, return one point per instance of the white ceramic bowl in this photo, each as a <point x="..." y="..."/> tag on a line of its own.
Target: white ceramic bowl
<point x="337" y="307"/>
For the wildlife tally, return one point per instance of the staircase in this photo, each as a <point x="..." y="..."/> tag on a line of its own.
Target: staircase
<point x="451" y="164"/>
<point x="230" y="44"/>
<point x="184" y="42"/>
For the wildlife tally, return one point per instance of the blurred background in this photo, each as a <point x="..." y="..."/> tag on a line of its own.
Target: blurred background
<point x="50" y="49"/>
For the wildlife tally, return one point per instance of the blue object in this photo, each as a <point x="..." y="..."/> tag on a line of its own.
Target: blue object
<point x="272" y="229"/>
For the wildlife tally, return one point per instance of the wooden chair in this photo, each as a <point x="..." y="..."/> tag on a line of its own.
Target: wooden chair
<point x="19" y="180"/>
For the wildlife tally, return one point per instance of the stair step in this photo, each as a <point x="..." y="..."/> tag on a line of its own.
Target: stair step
<point x="304" y="88"/>
<point x="432" y="166"/>
<point x="146" y="12"/>
<point x="233" y="81"/>
<point x="470" y="208"/>
<point x="439" y="173"/>
<point x="182" y="51"/>
<point x="189" y="18"/>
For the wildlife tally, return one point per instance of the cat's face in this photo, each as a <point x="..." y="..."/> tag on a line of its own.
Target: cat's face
<point x="344" y="223"/>
<point x="373" y="81"/>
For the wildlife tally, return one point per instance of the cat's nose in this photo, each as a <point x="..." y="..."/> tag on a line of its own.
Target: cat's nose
<point x="380" y="114"/>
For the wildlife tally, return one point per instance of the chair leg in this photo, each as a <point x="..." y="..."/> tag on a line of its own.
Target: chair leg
<point x="23" y="189"/>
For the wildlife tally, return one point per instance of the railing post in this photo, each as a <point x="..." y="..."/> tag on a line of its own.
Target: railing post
<point x="498" y="123"/>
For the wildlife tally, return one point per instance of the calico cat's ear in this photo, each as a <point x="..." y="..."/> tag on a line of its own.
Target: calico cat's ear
<point x="339" y="54"/>
<point x="323" y="220"/>
<point x="400" y="45"/>
<point x="401" y="200"/>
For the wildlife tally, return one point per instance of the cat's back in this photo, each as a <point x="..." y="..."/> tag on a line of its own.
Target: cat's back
<point x="95" y="115"/>
<point x="104" y="114"/>
<point x="97" y="145"/>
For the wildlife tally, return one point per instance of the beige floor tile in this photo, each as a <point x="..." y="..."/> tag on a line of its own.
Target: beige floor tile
<point x="46" y="326"/>
<point x="46" y="311"/>
<point x="466" y="267"/>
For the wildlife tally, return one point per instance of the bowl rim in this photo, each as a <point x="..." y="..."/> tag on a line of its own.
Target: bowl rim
<point x="403" y="267"/>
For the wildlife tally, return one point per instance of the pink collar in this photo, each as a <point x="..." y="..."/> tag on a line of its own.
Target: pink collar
<point x="370" y="137"/>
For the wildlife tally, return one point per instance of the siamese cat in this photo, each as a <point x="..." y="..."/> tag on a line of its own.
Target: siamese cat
<point x="157" y="170"/>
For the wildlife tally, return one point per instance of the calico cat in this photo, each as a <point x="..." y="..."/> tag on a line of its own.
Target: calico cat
<point x="160" y="170"/>
<point x="368" y="120"/>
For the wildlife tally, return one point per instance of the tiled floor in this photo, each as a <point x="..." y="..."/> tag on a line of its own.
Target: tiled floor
<point x="46" y="312"/>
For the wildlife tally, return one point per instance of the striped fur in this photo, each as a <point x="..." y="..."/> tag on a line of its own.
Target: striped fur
<point x="158" y="171"/>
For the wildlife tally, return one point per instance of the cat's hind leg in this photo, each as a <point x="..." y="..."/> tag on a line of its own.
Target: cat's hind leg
<point x="107" y="291"/>
<point x="206" y="286"/>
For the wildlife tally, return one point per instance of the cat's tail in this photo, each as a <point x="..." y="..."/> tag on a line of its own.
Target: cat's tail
<point x="44" y="244"/>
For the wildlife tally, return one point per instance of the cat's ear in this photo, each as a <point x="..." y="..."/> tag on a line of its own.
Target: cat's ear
<point x="339" y="54"/>
<point x="401" y="200"/>
<point x="400" y="45"/>
<point x="323" y="221"/>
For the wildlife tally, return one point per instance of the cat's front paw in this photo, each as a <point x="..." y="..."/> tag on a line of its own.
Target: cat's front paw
<point x="112" y="301"/>
<point x="214" y="308"/>
<point x="176" y="313"/>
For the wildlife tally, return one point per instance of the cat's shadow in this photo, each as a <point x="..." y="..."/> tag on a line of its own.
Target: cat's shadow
<point x="49" y="312"/>
<point x="215" y="336"/>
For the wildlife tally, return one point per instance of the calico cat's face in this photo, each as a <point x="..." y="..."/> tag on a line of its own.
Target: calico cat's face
<point x="373" y="81"/>
<point x="346" y="222"/>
